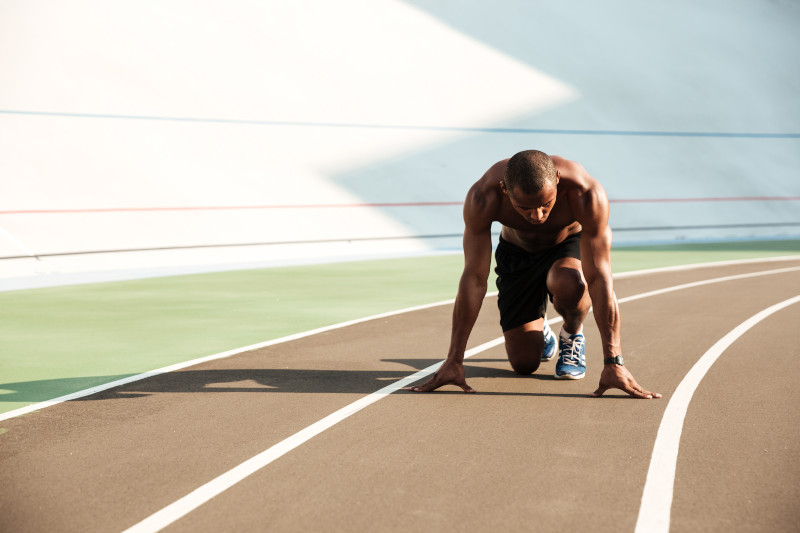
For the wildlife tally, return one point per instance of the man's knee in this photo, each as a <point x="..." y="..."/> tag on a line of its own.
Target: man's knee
<point x="524" y="348"/>
<point x="567" y="284"/>
<point x="524" y="366"/>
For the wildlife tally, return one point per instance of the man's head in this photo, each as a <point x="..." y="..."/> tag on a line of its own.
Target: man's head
<point x="531" y="184"/>
<point x="529" y="172"/>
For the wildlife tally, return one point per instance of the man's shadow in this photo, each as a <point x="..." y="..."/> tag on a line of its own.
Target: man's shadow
<point x="262" y="380"/>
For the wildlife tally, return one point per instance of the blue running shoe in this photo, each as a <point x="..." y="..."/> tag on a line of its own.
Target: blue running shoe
<point x="550" y="342"/>
<point x="571" y="358"/>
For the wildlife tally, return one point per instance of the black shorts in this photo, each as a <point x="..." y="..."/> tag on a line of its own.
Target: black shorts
<point x="522" y="279"/>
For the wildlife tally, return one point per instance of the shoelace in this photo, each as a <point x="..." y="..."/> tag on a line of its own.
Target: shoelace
<point x="571" y="351"/>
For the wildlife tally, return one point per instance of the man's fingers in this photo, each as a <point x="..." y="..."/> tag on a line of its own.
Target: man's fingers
<point x="639" y="392"/>
<point x="618" y="377"/>
<point x="632" y="389"/>
<point x="428" y="386"/>
<point x="433" y="384"/>
<point x="425" y="387"/>
<point x="466" y="388"/>
<point x="600" y="390"/>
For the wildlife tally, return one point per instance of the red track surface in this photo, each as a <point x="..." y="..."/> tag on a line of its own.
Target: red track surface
<point x="525" y="453"/>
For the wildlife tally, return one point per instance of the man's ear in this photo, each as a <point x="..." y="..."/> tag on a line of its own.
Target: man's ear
<point x="503" y="187"/>
<point x="558" y="176"/>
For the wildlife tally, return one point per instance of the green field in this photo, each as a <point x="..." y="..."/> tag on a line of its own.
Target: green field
<point x="59" y="340"/>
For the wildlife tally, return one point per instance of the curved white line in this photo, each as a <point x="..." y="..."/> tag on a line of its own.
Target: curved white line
<point x="654" y="512"/>
<point x="193" y="500"/>
<point x="706" y="282"/>
<point x="713" y="264"/>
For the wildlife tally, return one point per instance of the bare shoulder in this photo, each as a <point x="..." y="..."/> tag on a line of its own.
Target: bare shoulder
<point x="484" y="198"/>
<point x="586" y="195"/>
<point x="574" y="174"/>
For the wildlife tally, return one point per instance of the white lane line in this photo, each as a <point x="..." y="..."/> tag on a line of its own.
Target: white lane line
<point x="706" y="282"/>
<point x="201" y="495"/>
<point x="695" y="266"/>
<point x="198" y="497"/>
<point x="654" y="512"/>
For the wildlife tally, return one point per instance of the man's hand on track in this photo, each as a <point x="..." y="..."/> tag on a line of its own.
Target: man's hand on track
<point x="450" y="373"/>
<point x="613" y="377"/>
<point x="618" y="377"/>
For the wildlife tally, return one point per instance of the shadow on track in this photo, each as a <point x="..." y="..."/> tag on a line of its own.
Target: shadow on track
<point x="305" y="381"/>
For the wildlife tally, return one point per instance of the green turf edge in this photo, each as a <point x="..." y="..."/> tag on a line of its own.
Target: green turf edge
<point x="59" y="340"/>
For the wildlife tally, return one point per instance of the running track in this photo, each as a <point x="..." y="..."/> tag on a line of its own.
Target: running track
<point x="526" y="453"/>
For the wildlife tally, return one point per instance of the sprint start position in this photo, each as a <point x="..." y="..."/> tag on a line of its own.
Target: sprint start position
<point x="555" y="242"/>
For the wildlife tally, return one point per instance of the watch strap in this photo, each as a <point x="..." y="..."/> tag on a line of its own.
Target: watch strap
<point x="617" y="360"/>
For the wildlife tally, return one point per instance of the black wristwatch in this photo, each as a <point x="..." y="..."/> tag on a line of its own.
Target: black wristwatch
<point x="614" y="361"/>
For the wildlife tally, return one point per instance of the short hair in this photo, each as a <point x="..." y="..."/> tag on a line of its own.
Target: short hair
<point x="530" y="171"/>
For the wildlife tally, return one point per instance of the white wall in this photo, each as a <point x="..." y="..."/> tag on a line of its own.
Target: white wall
<point x="131" y="115"/>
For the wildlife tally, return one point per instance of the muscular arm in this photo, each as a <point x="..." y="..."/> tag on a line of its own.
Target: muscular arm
<point x="589" y="204"/>
<point x="596" y="248"/>
<point x="474" y="279"/>
<point x="478" y="209"/>
<point x="590" y="207"/>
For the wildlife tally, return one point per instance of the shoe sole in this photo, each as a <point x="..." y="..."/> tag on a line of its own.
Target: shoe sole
<point x="569" y="376"/>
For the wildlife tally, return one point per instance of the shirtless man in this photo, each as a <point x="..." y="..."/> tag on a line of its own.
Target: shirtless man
<point x="556" y="242"/>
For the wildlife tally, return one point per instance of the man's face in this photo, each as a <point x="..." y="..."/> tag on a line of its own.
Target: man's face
<point x="536" y="207"/>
